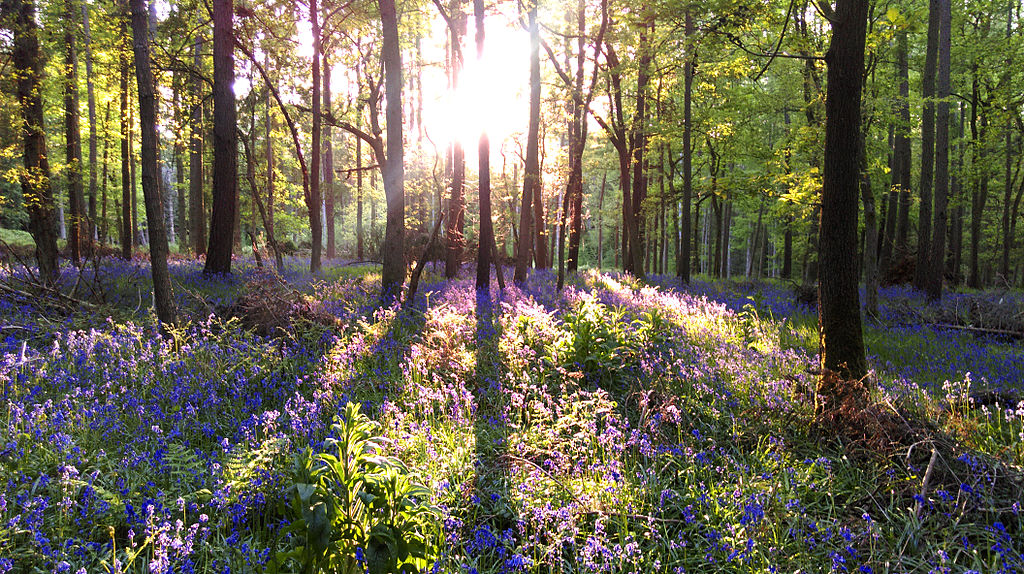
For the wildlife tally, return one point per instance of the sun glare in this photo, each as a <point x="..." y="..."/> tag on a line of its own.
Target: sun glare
<point x="492" y="96"/>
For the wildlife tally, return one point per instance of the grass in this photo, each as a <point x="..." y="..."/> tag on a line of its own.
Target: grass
<point x="611" y="427"/>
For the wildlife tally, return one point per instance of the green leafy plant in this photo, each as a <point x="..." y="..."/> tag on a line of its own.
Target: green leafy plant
<point x="355" y="510"/>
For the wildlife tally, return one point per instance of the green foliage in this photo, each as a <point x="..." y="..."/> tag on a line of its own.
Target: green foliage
<point x="355" y="509"/>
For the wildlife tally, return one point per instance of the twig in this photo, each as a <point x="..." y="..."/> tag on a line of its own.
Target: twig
<point x="924" y="484"/>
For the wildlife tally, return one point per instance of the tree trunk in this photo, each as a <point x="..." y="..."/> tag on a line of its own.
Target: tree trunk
<point x="531" y="176"/>
<point x="103" y="226"/>
<point x="691" y="58"/>
<point x="91" y="233"/>
<point x="127" y="238"/>
<point x="179" y="166"/>
<point x="393" y="273"/>
<point x="841" y="339"/>
<point x="329" y="195"/>
<point x="163" y="299"/>
<point x="73" y="134"/>
<point x="197" y="207"/>
<point x="894" y="246"/>
<point x="870" y="260"/>
<point x="927" y="148"/>
<point x="486" y="238"/>
<point x="35" y="180"/>
<point x="225" y="143"/>
<point x="313" y="196"/>
<point x="933" y="284"/>
<point x="455" y="227"/>
<point x="269" y="127"/>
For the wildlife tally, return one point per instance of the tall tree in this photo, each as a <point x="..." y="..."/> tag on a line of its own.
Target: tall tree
<point x="683" y="257"/>
<point x="927" y="148"/>
<point x="127" y="237"/>
<point x="73" y="132"/>
<point x="91" y="233"/>
<point x="839" y="321"/>
<point x="933" y="286"/>
<point x="225" y="141"/>
<point x="197" y="204"/>
<point x="328" y="164"/>
<point x="163" y="298"/>
<point x="531" y="176"/>
<point x="313" y="197"/>
<point x="455" y="227"/>
<point x="35" y="179"/>
<point x="393" y="272"/>
<point x="486" y="238"/>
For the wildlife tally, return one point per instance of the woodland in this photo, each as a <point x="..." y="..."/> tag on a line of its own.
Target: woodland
<point x="511" y="286"/>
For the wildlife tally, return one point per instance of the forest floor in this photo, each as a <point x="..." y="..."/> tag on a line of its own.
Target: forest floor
<point x="291" y="424"/>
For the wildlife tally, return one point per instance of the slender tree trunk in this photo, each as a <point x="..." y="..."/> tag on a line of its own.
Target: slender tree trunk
<point x="1008" y="237"/>
<point x="179" y="193"/>
<point x="225" y="142"/>
<point x="313" y="198"/>
<point x="639" y="146"/>
<point x="329" y="194"/>
<point x="103" y="223"/>
<point x="197" y="207"/>
<point x="531" y="176"/>
<point x="691" y="58"/>
<point x="393" y="274"/>
<point x="455" y="230"/>
<point x="927" y="147"/>
<point x="91" y="232"/>
<point x="127" y="237"/>
<point x="483" y="260"/>
<point x="933" y="284"/>
<point x="73" y="134"/>
<point x="894" y="246"/>
<point x="870" y="260"/>
<point x="269" y="127"/>
<point x="841" y="339"/>
<point x="35" y="180"/>
<point x="600" y="221"/>
<point x="163" y="298"/>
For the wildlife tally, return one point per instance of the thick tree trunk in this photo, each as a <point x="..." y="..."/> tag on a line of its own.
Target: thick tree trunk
<point x="933" y="285"/>
<point x="927" y="148"/>
<point x="531" y="176"/>
<point x="197" y="207"/>
<point x="393" y="273"/>
<point x="639" y="145"/>
<point x="35" y="180"/>
<point x="841" y="339"/>
<point x="225" y="142"/>
<point x="163" y="299"/>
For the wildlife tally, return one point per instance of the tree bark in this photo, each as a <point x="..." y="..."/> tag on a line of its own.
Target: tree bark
<point x="35" y="179"/>
<point x="313" y="197"/>
<point x="927" y="148"/>
<point x="73" y="134"/>
<point x="91" y="232"/>
<point x="127" y="237"/>
<point x="936" y="273"/>
<point x="225" y="141"/>
<point x="328" y="165"/>
<point x="688" y="67"/>
<point x="163" y="298"/>
<point x="393" y="273"/>
<point x="486" y="238"/>
<point x="455" y="227"/>
<point x="197" y="207"/>
<point x="531" y="176"/>
<point x="841" y="339"/>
